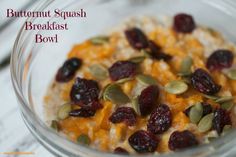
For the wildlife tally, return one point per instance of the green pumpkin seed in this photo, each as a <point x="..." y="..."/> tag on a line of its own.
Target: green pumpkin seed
<point x="99" y="40"/>
<point x="138" y="59"/>
<point x="114" y="93"/>
<point x="98" y="71"/>
<point x="146" y="80"/>
<point x="205" y="123"/>
<point x="124" y="80"/>
<point x="195" y="113"/>
<point x="226" y="129"/>
<point x="231" y="74"/>
<point x="135" y="105"/>
<point x="55" y="125"/>
<point x="185" y="67"/>
<point x="83" y="139"/>
<point x="176" y="87"/>
<point x="63" y="111"/>
<point x="212" y="97"/>
<point x="227" y="105"/>
<point x="212" y="135"/>
<point x="146" y="53"/>
<point x="224" y="99"/>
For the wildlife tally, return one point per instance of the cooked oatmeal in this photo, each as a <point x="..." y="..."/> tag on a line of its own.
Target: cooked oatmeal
<point x="148" y="85"/>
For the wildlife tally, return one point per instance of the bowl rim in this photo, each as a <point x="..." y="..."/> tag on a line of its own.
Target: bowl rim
<point x="38" y="128"/>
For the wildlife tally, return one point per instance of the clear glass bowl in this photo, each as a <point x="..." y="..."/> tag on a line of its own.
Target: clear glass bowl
<point x="33" y="65"/>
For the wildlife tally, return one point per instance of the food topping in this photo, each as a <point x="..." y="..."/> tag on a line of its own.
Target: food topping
<point x="84" y="92"/>
<point x="160" y="119"/>
<point x="147" y="99"/>
<point x="122" y="69"/>
<point x="68" y="70"/>
<point x="219" y="60"/>
<point x="182" y="139"/>
<point x="124" y="114"/>
<point x="184" y="23"/>
<point x="143" y="142"/>
<point x="204" y="83"/>
<point x="136" y="38"/>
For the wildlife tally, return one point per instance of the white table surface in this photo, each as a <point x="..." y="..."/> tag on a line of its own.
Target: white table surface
<point x="14" y="136"/>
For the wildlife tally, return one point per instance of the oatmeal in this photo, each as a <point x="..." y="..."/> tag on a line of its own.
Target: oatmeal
<point x="146" y="86"/>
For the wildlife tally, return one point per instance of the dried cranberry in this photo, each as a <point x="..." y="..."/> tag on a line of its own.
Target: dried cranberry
<point x="124" y="114"/>
<point x="219" y="60"/>
<point x="221" y="118"/>
<point x="136" y="38"/>
<point x="68" y="70"/>
<point x="204" y="83"/>
<point x="143" y="142"/>
<point x="120" y="150"/>
<point x="182" y="139"/>
<point x="82" y="112"/>
<point x="160" y="120"/>
<point x="85" y="93"/>
<point x="207" y="108"/>
<point x="147" y="99"/>
<point x="122" y="69"/>
<point x="157" y="53"/>
<point x="184" y="23"/>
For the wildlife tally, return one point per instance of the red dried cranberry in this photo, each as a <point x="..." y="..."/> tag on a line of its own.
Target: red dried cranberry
<point x="136" y="38"/>
<point x="68" y="70"/>
<point x="160" y="120"/>
<point x="157" y="53"/>
<point x="120" y="150"/>
<point x="221" y="118"/>
<point x="184" y="23"/>
<point x="182" y="139"/>
<point x="85" y="92"/>
<point x="204" y="83"/>
<point x="147" y="99"/>
<point x="207" y="108"/>
<point x="122" y="69"/>
<point x="219" y="60"/>
<point x="124" y="114"/>
<point x="143" y="142"/>
<point x="82" y="112"/>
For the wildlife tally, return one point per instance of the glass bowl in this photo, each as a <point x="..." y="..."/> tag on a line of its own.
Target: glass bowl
<point x="33" y="65"/>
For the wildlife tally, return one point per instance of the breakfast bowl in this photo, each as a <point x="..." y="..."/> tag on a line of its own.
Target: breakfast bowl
<point x="35" y="63"/>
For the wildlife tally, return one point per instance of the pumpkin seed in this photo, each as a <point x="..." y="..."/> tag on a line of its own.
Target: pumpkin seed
<point x="98" y="71"/>
<point x="212" y="135"/>
<point x="185" y="67"/>
<point x="205" y="123"/>
<point x="138" y="59"/>
<point x="114" y="93"/>
<point x="227" y="105"/>
<point x="135" y="105"/>
<point x="99" y="40"/>
<point x="83" y="139"/>
<point x="146" y="53"/>
<point x="231" y="74"/>
<point x="63" y="111"/>
<point x="195" y="113"/>
<point x="55" y="125"/>
<point x="124" y="80"/>
<point x="212" y="97"/>
<point x="224" y="99"/>
<point x="226" y="129"/>
<point x="186" y="79"/>
<point x="176" y="87"/>
<point x="146" y="79"/>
